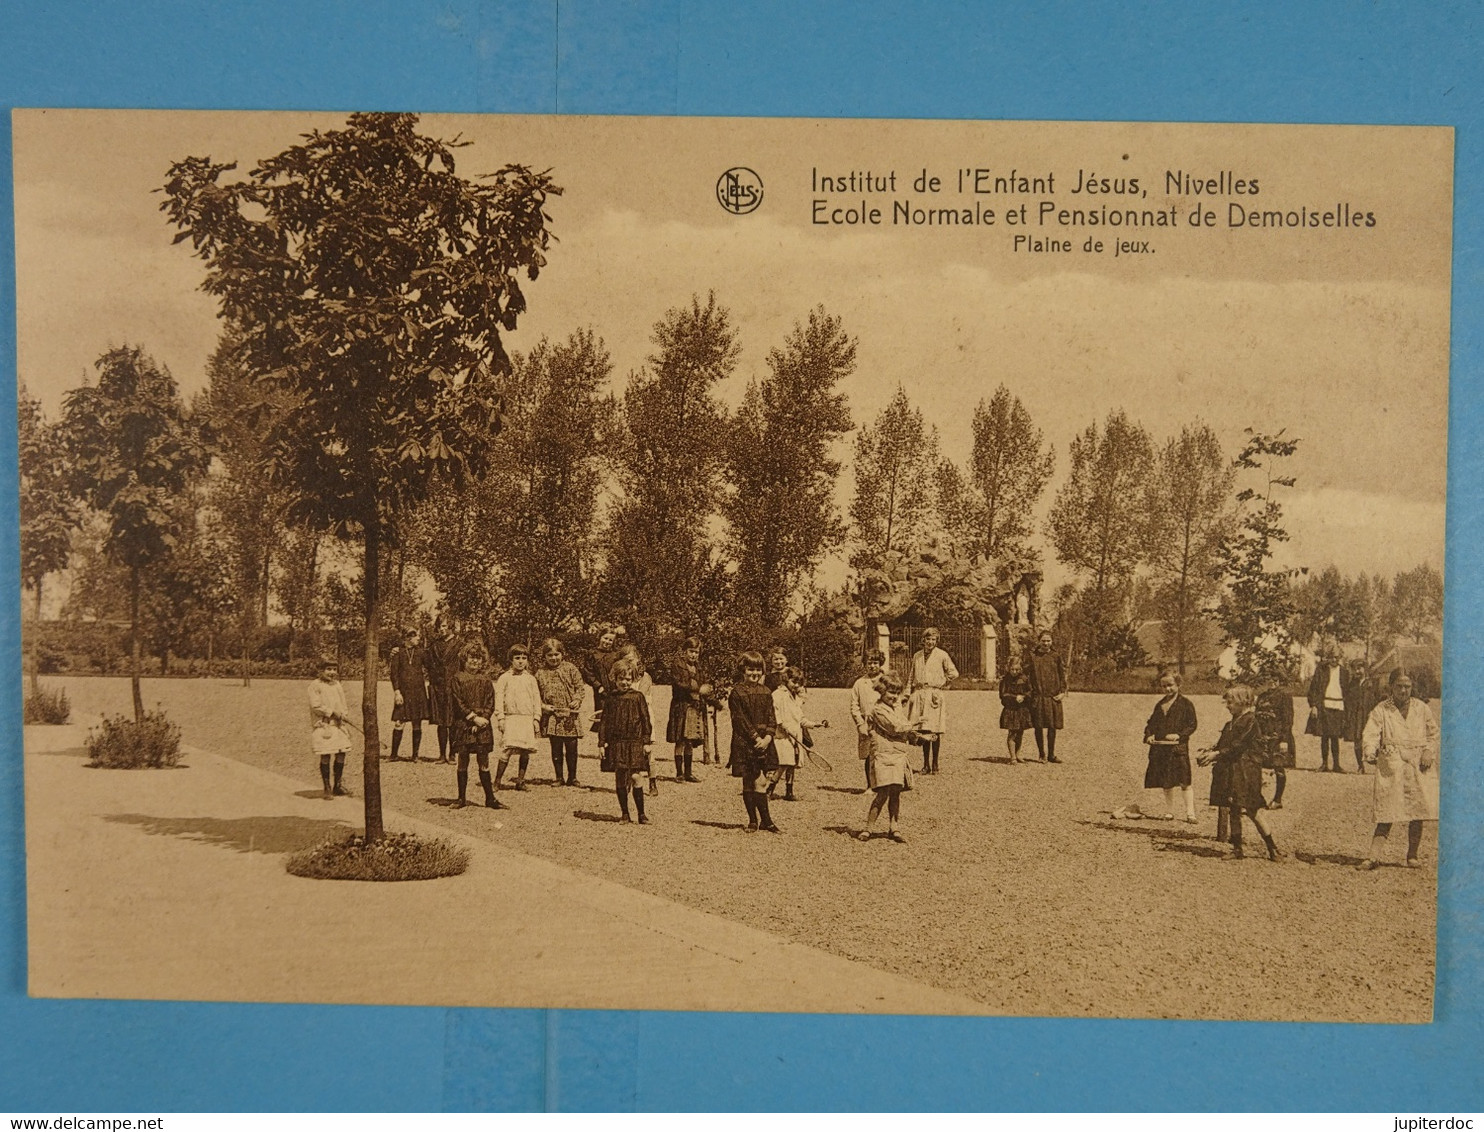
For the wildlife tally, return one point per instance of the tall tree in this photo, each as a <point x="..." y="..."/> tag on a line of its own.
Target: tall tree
<point x="48" y="512"/>
<point x="133" y="452"/>
<point x="244" y="411"/>
<point x="781" y="506"/>
<point x="1098" y="522"/>
<point x="534" y="511"/>
<point x="1256" y="607"/>
<point x="1330" y="605"/>
<point x="896" y="465"/>
<point x="1416" y="606"/>
<point x="372" y="283"/>
<point x="668" y="451"/>
<point x="1010" y="467"/>
<point x="1189" y="507"/>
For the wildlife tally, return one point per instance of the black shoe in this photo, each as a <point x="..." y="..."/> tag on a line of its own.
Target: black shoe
<point x="340" y="792"/>
<point x="691" y="778"/>
<point x="752" y="826"/>
<point x="643" y="819"/>
<point x="459" y="805"/>
<point x="770" y="828"/>
<point x="496" y="804"/>
<point x="1052" y="759"/>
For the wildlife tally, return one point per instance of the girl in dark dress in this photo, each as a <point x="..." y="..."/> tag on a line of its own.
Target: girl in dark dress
<point x="1048" y="677"/>
<point x="1015" y="712"/>
<point x="597" y="670"/>
<point x="1329" y="688"/>
<point x="561" y="703"/>
<point x="407" y="667"/>
<point x="1238" y="756"/>
<point x="754" y="759"/>
<point x="1168" y="732"/>
<point x="684" y="728"/>
<point x="1275" y="720"/>
<point x="441" y="663"/>
<point x="473" y="734"/>
<point x="627" y="738"/>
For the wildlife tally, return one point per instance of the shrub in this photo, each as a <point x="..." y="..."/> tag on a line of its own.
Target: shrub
<point x="397" y="856"/>
<point x="122" y="744"/>
<point x="47" y="705"/>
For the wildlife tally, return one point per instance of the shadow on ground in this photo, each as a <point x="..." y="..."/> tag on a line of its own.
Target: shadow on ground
<point x="245" y="835"/>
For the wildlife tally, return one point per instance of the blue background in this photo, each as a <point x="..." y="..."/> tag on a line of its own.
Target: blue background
<point x="1259" y="62"/>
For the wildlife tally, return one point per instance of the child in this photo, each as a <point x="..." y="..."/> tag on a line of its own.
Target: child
<point x="473" y="734"/>
<point x="932" y="669"/>
<point x="442" y="662"/>
<point x="792" y="735"/>
<point x="407" y="666"/>
<point x="1402" y="736"/>
<point x="328" y="737"/>
<point x="561" y="688"/>
<point x="891" y="771"/>
<point x="862" y="700"/>
<point x="518" y="708"/>
<point x="627" y="738"/>
<point x="1275" y="721"/>
<point x="685" y="726"/>
<point x="753" y="753"/>
<point x="1015" y="711"/>
<point x="1239" y="752"/>
<point x="777" y="666"/>
<point x="1167" y="734"/>
<point x="1047" y="673"/>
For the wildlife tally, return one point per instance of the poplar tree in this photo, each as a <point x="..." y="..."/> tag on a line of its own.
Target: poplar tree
<point x="668" y="451"/>
<point x="1098" y="523"/>
<point x="780" y="471"/>
<point x="1189" y="507"/>
<point x="48" y="512"/>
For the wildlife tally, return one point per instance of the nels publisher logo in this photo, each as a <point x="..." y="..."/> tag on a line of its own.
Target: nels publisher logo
<point x="739" y="190"/>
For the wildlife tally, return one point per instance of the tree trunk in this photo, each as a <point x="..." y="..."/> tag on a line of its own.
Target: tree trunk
<point x="371" y="772"/>
<point x="247" y="646"/>
<point x="134" y="644"/>
<point x="36" y="644"/>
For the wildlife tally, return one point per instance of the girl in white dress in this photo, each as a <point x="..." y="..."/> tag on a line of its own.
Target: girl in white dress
<point x="517" y="714"/>
<point x="932" y="669"/>
<point x="790" y="738"/>
<point x="1401" y="735"/>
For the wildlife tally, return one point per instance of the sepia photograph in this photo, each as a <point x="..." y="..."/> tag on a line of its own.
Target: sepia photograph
<point x="770" y="565"/>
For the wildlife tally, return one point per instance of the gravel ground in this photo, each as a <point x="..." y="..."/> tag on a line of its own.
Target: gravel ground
<point x="1016" y="887"/>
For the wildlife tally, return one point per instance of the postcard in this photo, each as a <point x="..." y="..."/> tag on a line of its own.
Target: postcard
<point x="832" y="566"/>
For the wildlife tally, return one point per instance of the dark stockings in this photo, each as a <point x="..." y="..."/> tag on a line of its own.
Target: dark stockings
<point x="564" y="749"/>
<point x="443" y="736"/>
<point x="1329" y="752"/>
<point x="1046" y="747"/>
<point x="1280" y="781"/>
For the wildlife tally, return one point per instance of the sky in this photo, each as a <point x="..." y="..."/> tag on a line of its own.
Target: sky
<point x="1339" y="336"/>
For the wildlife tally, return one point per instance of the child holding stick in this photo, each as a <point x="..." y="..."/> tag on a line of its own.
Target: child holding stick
<point x="863" y="698"/>
<point x="753" y="753"/>
<point x="328" y="737"/>
<point x="892" y="736"/>
<point x="792" y="736"/>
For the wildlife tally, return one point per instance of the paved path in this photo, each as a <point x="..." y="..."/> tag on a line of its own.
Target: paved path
<point x="171" y="885"/>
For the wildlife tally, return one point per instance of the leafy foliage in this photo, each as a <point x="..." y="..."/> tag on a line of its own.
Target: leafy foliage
<point x="1009" y="468"/>
<point x="133" y="455"/>
<point x="1189" y="510"/>
<point x="516" y="546"/>
<point x="48" y="511"/>
<point x="47" y="705"/>
<point x="668" y="452"/>
<point x="1416" y="606"/>
<point x="396" y="856"/>
<point x="1098" y="523"/>
<point x="121" y="743"/>
<point x="896" y="461"/>
<point x="781" y="476"/>
<point x="1256" y="609"/>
